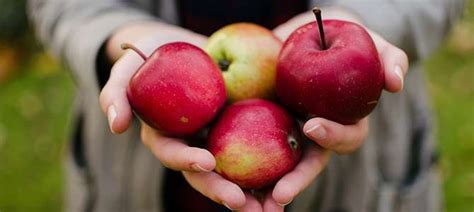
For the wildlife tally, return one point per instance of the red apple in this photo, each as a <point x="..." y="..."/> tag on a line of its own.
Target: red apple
<point x="341" y="81"/>
<point x="178" y="89"/>
<point x="255" y="142"/>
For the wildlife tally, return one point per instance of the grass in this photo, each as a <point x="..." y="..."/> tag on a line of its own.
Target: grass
<point x="35" y="111"/>
<point x="451" y="82"/>
<point x="34" y="114"/>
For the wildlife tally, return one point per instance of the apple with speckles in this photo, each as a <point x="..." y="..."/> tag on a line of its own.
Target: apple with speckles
<point x="255" y="142"/>
<point x="177" y="90"/>
<point x="335" y="74"/>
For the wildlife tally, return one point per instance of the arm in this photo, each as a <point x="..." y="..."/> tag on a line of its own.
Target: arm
<point x="75" y="30"/>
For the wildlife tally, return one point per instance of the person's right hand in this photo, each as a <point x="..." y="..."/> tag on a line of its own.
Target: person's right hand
<point x="146" y="37"/>
<point x="171" y="152"/>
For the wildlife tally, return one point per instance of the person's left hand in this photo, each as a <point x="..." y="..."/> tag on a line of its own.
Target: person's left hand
<point x="329" y="135"/>
<point x="344" y="139"/>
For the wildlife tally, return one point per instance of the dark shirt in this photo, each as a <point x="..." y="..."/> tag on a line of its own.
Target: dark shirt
<point x="207" y="16"/>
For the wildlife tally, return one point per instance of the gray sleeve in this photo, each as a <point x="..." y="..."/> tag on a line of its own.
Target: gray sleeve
<point x="417" y="26"/>
<point x="74" y="30"/>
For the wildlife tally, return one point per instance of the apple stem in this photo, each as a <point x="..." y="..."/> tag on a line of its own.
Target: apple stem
<point x="224" y="64"/>
<point x="126" y="46"/>
<point x="317" y="13"/>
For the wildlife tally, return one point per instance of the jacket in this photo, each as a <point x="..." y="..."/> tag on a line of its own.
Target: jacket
<point x="394" y="170"/>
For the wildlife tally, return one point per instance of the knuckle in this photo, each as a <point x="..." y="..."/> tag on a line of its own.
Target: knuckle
<point x="362" y="135"/>
<point x="169" y="166"/>
<point x="144" y="137"/>
<point x="103" y="97"/>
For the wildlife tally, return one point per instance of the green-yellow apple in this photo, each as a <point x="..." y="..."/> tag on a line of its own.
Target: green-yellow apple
<point x="247" y="55"/>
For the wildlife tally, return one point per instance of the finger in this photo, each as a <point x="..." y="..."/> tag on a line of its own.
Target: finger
<point x="175" y="154"/>
<point x="294" y="182"/>
<point x="270" y="205"/>
<point x="216" y="188"/>
<point x="113" y="97"/>
<point x="394" y="62"/>
<point x="342" y="139"/>
<point x="251" y="204"/>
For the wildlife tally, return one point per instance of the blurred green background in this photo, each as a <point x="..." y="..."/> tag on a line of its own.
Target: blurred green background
<point x="36" y="97"/>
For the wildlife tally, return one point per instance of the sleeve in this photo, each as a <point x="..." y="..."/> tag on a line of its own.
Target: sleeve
<point x="416" y="26"/>
<point x="75" y="30"/>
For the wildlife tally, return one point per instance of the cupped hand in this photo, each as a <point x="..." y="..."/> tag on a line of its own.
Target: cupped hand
<point x="196" y="163"/>
<point x="345" y="139"/>
<point x="285" y="190"/>
<point x="146" y="37"/>
<point x="173" y="153"/>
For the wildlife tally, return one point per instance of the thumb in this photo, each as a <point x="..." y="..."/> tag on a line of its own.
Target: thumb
<point x="113" y="97"/>
<point x="394" y="60"/>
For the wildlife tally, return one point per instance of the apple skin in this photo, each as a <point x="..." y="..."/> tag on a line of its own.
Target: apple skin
<point x="342" y="83"/>
<point x="251" y="52"/>
<point x="178" y="89"/>
<point x="255" y="142"/>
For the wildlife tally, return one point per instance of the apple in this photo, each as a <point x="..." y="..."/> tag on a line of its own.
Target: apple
<point x="247" y="55"/>
<point x="255" y="142"/>
<point x="335" y="74"/>
<point x="178" y="89"/>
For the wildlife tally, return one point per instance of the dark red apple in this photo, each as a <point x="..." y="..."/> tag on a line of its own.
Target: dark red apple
<point x="341" y="81"/>
<point x="178" y="89"/>
<point x="255" y="142"/>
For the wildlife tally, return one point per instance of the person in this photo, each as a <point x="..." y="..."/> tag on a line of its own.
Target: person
<point x="385" y="162"/>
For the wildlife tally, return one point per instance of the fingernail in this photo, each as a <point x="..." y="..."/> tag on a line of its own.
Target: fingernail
<point x="198" y="168"/>
<point x="316" y="132"/>
<point x="227" y="206"/>
<point x="285" y="204"/>
<point x="398" y="72"/>
<point x="111" y="115"/>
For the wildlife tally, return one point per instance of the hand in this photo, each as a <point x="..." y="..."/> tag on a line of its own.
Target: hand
<point x="147" y="37"/>
<point x="196" y="163"/>
<point x="344" y="139"/>
<point x="222" y="191"/>
<point x="173" y="153"/>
